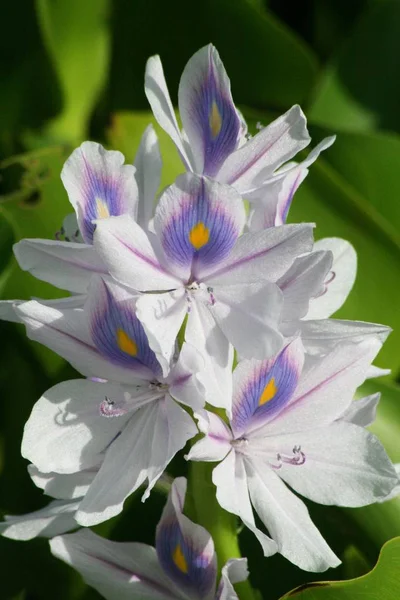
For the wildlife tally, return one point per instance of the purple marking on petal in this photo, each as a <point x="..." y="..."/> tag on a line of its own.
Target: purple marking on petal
<point x="216" y="119"/>
<point x="269" y="386"/>
<point x="191" y="568"/>
<point x="103" y="196"/>
<point x="119" y="335"/>
<point x="199" y="233"/>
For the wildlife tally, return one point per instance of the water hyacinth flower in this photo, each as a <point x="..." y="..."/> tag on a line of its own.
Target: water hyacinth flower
<point x="215" y="142"/>
<point x="197" y="264"/>
<point x="99" y="185"/>
<point x="287" y="428"/>
<point x="129" y="424"/>
<point x="183" y="566"/>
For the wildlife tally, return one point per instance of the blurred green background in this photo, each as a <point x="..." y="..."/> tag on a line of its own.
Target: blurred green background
<point x="73" y="70"/>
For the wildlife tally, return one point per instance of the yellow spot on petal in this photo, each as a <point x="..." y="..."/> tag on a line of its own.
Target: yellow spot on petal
<point x="102" y="209"/>
<point x="215" y="120"/>
<point x="268" y="393"/>
<point x="179" y="559"/>
<point x="199" y="235"/>
<point x="125" y="343"/>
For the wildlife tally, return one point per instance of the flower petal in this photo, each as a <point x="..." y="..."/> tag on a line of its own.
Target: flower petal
<point x="55" y="518"/>
<point x="263" y="388"/>
<point x="185" y="550"/>
<point x="216" y="443"/>
<point x="66" y="432"/>
<point x="216" y="376"/>
<point x="149" y="441"/>
<point x="287" y="520"/>
<point x="148" y="165"/>
<point x="63" y="487"/>
<point x="116" y="331"/>
<point x="302" y="282"/>
<point x="157" y="94"/>
<point x="234" y="571"/>
<point x="340" y="280"/>
<point x="277" y="143"/>
<point x="99" y="185"/>
<point x="362" y="412"/>
<point x="344" y="465"/>
<point x="208" y="113"/>
<point x="265" y="255"/>
<point x="248" y="315"/>
<point x="198" y="222"/>
<point x="326" y="388"/>
<point x="129" y="255"/>
<point x="66" y="265"/>
<point x="184" y="383"/>
<point x="116" y="570"/>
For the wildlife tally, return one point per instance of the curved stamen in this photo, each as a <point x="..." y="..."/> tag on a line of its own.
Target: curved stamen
<point x="109" y="408"/>
<point x="298" y="458"/>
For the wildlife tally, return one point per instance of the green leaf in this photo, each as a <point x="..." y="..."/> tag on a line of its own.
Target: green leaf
<point x="361" y="88"/>
<point x="382" y="583"/>
<point x="77" y="40"/>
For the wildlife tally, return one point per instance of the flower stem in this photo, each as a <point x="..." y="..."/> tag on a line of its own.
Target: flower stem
<point x="203" y="508"/>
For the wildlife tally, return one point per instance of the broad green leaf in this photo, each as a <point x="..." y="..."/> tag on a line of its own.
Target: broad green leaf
<point x="266" y="62"/>
<point x="361" y="88"/>
<point x="382" y="583"/>
<point x="77" y="39"/>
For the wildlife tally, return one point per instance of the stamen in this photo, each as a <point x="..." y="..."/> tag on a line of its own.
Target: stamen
<point x="108" y="408"/>
<point x="331" y="276"/>
<point x="210" y="290"/>
<point x="298" y="458"/>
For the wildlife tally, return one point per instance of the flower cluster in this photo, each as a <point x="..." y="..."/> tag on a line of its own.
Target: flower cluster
<point x="199" y="310"/>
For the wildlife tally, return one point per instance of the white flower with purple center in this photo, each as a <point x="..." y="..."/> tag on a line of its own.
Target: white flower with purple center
<point x="128" y="424"/>
<point x="196" y="263"/>
<point x="99" y="185"/>
<point x="183" y="566"/>
<point x="290" y="425"/>
<point x="214" y="140"/>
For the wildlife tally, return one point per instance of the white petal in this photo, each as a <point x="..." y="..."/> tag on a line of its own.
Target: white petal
<point x="287" y="520"/>
<point x="396" y="490"/>
<point x="148" y="175"/>
<point x="344" y="269"/>
<point x="149" y="441"/>
<point x="129" y="255"/>
<point x="55" y="518"/>
<point x="162" y="316"/>
<point x="116" y="570"/>
<point x="65" y="331"/>
<point x="263" y="255"/>
<point x="362" y="412"/>
<point x="323" y="335"/>
<point x="65" y="432"/>
<point x="230" y="479"/>
<point x="216" y="376"/>
<point x="345" y="465"/>
<point x="66" y="265"/>
<point x="216" y="443"/>
<point x="277" y="143"/>
<point x="184" y="383"/>
<point x="158" y="96"/>
<point x="326" y="388"/>
<point x="64" y="487"/>
<point x="234" y="571"/>
<point x="99" y="185"/>
<point x="248" y="315"/>
<point x="302" y="282"/>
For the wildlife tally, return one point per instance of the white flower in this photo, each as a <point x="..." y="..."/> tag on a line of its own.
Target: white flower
<point x="183" y="566"/>
<point x="99" y="185"/>
<point x="129" y="426"/>
<point x="289" y="425"/>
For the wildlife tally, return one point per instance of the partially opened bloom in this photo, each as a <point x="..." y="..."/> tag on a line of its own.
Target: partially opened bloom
<point x="128" y="425"/>
<point x="99" y="185"/>
<point x="183" y="566"/>
<point x="197" y="264"/>
<point x="288" y="427"/>
<point x="214" y="139"/>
